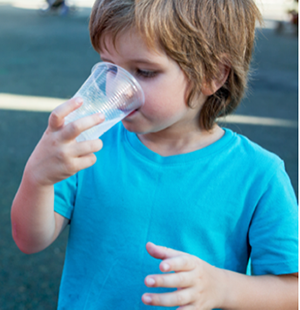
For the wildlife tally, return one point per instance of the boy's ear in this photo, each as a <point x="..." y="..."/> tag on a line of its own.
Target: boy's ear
<point x="210" y="88"/>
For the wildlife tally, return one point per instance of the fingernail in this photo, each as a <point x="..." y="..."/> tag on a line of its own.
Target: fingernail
<point x="78" y="100"/>
<point x="147" y="299"/>
<point x="150" y="281"/>
<point x="101" y="116"/>
<point x="165" y="266"/>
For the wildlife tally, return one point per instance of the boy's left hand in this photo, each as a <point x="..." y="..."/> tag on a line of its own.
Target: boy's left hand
<point x="199" y="284"/>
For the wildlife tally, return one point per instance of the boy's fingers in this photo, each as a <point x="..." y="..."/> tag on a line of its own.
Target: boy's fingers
<point x="187" y="307"/>
<point x="181" y="279"/>
<point x="87" y="147"/>
<point x="57" y="117"/>
<point x="85" y="161"/>
<point x="179" y="263"/>
<point x="161" y="252"/>
<point x="74" y="129"/>
<point x="177" y="298"/>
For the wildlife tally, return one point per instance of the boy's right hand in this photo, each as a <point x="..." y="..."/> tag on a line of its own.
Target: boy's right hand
<point x="58" y="155"/>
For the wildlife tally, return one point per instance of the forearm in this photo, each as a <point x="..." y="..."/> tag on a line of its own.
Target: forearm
<point x="56" y="157"/>
<point x="260" y="292"/>
<point x="32" y="215"/>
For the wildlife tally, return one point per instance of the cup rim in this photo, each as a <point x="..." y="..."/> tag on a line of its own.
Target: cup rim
<point x="128" y="74"/>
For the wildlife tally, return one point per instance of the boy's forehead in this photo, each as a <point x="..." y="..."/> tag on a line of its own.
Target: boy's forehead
<point x="130" y="44"/>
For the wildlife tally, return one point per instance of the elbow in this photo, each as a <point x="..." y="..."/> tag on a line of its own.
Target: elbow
<point x="27" y="247"/>
<point x="20" y="236"/>
<point x="25" y="244"/>
<point x="25" y="250"/>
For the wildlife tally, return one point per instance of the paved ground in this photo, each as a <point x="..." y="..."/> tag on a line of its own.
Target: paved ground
<point x="50" y="56"/>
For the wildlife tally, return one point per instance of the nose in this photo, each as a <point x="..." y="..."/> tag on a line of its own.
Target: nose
<point x="119" y="88"/>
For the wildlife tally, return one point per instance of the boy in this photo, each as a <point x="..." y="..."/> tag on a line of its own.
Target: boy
<point x="168" y="173"/>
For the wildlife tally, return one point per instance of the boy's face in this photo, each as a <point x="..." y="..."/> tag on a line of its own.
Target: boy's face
<point x="163" y="82"/>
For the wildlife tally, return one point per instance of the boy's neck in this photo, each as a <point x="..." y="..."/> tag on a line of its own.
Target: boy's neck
<point x="167" y="143"/>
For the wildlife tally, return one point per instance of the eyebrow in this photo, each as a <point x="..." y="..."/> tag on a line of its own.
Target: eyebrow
<point x="145" y="61"/>
<point x="136" y="60"/>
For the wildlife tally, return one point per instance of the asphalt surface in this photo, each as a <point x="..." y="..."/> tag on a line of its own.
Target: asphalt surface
<point x="50" y="56"/>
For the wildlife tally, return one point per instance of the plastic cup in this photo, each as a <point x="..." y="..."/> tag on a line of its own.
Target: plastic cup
<point x="110" y="90"/>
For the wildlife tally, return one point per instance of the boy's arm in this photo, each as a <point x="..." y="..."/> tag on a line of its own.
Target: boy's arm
<point x="203" y="286"/>
<point x="35" y="225"/>
<point x="56" y="157"/>
<point x="260" y="292"/>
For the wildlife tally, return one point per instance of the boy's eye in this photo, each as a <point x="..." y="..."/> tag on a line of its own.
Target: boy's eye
<point x="146" y="73"/>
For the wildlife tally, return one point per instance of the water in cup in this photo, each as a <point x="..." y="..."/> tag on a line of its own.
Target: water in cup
<point x="110" y="90"/>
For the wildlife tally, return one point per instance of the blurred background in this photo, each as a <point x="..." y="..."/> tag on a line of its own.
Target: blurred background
<point x="45" y="57"/>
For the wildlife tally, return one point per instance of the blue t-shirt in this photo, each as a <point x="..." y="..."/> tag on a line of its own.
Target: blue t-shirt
<point x="224" y="203"/>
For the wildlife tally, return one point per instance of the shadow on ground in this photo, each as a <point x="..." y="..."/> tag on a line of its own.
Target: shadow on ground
<point x="51" y="56"/>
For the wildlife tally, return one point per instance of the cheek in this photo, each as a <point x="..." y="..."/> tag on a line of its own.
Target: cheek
<point x="164" y="97"/>
<point x="153" y="104"/>
<point x="161" y="107"/>
<point x="157" y="99"/>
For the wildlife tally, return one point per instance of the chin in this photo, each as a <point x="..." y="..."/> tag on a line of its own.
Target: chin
<point x="130" y="126"/>
<point x="136" y="128"/>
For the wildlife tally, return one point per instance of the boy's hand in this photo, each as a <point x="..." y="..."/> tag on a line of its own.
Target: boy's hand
<point x="58" y="155"/>
<point x="198" y="283"/>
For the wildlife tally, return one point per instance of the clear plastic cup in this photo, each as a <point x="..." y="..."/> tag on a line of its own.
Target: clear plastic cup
<point x="110" y="90"/>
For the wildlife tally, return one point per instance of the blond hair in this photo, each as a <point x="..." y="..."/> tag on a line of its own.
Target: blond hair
<point x="198" y="34"/>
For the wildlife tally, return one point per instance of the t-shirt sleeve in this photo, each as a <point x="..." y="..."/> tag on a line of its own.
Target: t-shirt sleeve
<point x="273" y="233"/>
<point x="65" y="196"/>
